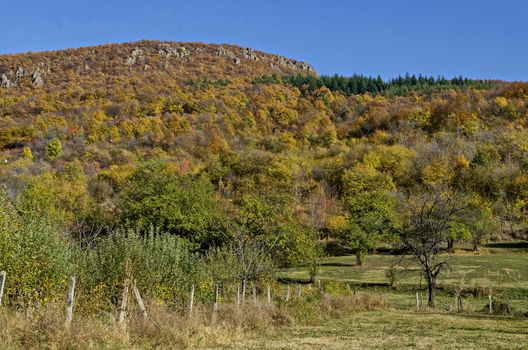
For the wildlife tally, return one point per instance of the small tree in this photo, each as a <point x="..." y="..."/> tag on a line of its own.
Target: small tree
<point x="480" y="224"/>
<point x="428" y="219"/>
<point x="372" y="217"/>
<point x="53" y="149"/>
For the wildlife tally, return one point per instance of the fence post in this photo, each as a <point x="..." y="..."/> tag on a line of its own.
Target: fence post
<point x="288" y="293"/>
<point x="215" y="305"/>
<point x="3" y="276"/>
<point x="139" y="300"/>
<point x="244" y="291"/>
<point x="191" y="301"/>
<point x="124" y="301"/>
<point x="490" y="305"/>
<point x="268" y="295"/>
<point x="238" y="297"/>
<point x="71" y="297"/>
<point x="299" y="291"/>
<point x="460" y="306"/>
<point x="417" y="301"/>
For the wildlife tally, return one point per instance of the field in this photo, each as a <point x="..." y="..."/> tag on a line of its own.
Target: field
<point x="358" y="310"/>
<point x="398" y="330"/>
<point x="502" y="267"/>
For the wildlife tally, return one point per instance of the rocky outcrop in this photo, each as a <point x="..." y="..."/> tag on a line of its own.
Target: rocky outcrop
<point x="249" y="54"/>
<point x="152" y="57"/>
<point x="5" y="82"/>
<point x="279" y="61"/>
<point x="168" y="51"/>
<point x="135" y="55"/>
<point x="37" y="79"/>
<point x="20" y="73"/>
<point x="222" y="52"/>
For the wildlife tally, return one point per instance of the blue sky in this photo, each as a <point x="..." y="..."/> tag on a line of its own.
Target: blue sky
<point x="478" y="39"/>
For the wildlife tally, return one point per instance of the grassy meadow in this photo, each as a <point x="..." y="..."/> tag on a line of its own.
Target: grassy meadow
<point x="503" y="267"/>
<point x="398" y="330"/>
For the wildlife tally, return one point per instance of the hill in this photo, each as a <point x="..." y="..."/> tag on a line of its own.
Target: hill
<point x="187" y="167"/>
<point x="260" y="132"/>
<point x="147" y="61"/>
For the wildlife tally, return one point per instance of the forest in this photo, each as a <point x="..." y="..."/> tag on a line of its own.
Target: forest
<point x="229" y="165"/>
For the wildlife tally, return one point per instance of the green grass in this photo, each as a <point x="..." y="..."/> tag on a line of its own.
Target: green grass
<point x="397" y="330"/>
<point x="504" y="268"/>
<point x="498" y="270"/>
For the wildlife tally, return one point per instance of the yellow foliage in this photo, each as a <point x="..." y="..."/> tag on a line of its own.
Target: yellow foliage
<point x="336" y="223"/>
<point x="437" y="172"/>
<point x="462" y="162"/>
<point x="501" y="101"/>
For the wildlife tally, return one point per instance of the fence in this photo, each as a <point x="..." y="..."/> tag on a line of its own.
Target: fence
<point x="220" y="292"/>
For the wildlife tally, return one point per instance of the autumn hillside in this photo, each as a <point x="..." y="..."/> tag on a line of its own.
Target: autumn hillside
<point x="149" y="62"/>
<point x="182" y="136"/>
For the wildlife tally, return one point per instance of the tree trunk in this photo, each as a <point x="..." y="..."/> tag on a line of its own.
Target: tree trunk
<point x="359" y="259"/>
<point x="475" y="247"/>
<point x="450" y="245"/>
<point x="431" y="287"/>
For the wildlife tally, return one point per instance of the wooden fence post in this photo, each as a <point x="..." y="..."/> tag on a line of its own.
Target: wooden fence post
<point x="238" y="297"/>
<point x="139" y="300"/>
<point x="3" y="276"/>
<point x="268" y="295"/>
<point x="215" y="305"/>
<point x="460" y="306"/>
<point x="490" y="304"/>
<point x="71" y="297"/>
<point x="191" y="301"/>
<point x="124" y="301"/>
<point x="288" y="293"/>
<point x="417" y="301"/>
<point x="244" y="291"/>
<point x="299" y="291"/>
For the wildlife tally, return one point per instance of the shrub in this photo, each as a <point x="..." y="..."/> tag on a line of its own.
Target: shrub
<point x="53" y="149"/>
<point x="163" y="266"/>
<point x="35" y="255"/>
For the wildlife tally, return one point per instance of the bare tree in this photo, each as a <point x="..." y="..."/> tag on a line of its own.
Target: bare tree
<point x="428" y="216"/>
<point x="254" y="257"/>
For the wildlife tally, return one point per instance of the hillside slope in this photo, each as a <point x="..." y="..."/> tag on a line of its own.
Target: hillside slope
<point x="306" y="147"/>
<point x="146" y="60"/>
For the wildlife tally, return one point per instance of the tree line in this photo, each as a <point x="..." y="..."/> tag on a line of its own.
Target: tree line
<point x="360" y="84"/>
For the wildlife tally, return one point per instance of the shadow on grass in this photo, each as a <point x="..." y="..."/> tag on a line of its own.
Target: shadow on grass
<point x="508" y="245"/>
<point x="338" y="264"/>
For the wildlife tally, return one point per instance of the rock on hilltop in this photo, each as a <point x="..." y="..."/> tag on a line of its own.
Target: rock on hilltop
<point x="182" y="61"/>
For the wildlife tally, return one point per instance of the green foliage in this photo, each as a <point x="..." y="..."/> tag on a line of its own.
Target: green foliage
<point x="35" y="254"/>
<point x="27" y="153"/>
<point x="373" y="216"/>
<point x="359" y="84"/>
<point x="282" y="161"/>
<point x="206" y="83"/>
<point x="482" y="158"/>
<point x="53" y="149"/>
<point x="61" y="197"/>
<point x="177" y="204"/>
<point x="270" y="221"/>
<point x="162" y="265"/>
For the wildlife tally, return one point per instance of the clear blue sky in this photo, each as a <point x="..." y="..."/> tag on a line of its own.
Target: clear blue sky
<point x="478" y="39"/>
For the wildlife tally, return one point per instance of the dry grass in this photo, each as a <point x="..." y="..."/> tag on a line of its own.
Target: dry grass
<point x="397" y="329"/>
<point x="169" y="329"/>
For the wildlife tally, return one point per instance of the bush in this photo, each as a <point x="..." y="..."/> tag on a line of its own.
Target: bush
<point x="53" y="149"/>
<point x="163" y="266"/>
<point x="35" y="255"/>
